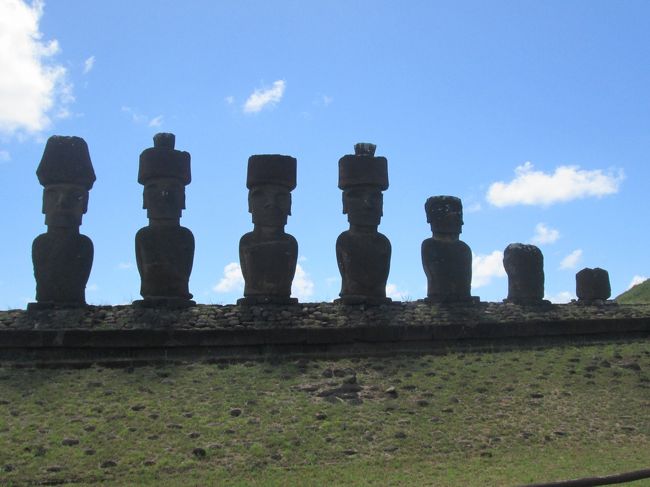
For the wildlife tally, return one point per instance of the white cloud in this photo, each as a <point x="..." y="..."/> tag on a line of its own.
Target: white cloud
<point x="232" y="279"/>
<point x="125" y="265"/>
<point x="544" y="235"/>
<point x="486" y="267"/>
<point x="89" y="64"/>
<point x="531" y="187"/>
<point x="4" y="156"/>
<point x="156" y="121"/>
<point x="561" y="297"/>
<point x="33" y="88"/>
<point x="262" y="98"/>
<point x="572" y="260"/>
<point x="302" y="286"/>
<point x="394" y="293"/>
<point x="636" y="280"/>
<point x="142" y="119"/>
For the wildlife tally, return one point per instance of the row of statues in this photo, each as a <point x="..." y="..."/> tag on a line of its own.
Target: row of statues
<point x="164" y="249"/>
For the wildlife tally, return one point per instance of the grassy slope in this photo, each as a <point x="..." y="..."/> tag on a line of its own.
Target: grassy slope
<point x="458" y="419"/>
<point x="639" y="294"/>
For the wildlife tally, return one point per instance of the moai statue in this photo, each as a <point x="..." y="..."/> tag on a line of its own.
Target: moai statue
<point x="592" y="285"/>
<point x="447" y="261"/>
<point x="268" y="255"/>
<point x="524" y="265"/>
<point x="63" y="257"/>
<point x="164" y="250"/>
<point x="362" y="253"/>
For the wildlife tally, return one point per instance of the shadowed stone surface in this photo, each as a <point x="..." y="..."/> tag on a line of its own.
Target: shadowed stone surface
<point x="362" y="253"/>
<point x="268" y="255"/>
<point x="164" y="250"/>
<point x="63" y="257"/>
<point x="524" y="265"/>
<point x="593" y="285"/>
<point x="447" y="261"/>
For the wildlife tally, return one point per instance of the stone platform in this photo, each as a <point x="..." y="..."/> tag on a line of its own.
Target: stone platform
<point x="128" y="334"/>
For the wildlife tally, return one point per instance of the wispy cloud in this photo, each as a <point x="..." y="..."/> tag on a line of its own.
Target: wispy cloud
<point x="544" y="235"/>
<point x="572" y="260"/>
<point x="229" y="100"/>
<point x="487" y="267"/>
<point x="560" y="298"/>
<point x="473" y="208"/>
<point x="232" y="279"/>
<point x="34" y="88"/>
<point x="89" y="64"/>
<point x="636" y="280"/>
<point x="125" y="265"/>
<point x="262" y="98"/>
<point x="302" y="286"/>
<point x="4" y="156"/>
<point x="142" y="119"/>
<point x="393" y="292"/>
<point x="566" y="183"/>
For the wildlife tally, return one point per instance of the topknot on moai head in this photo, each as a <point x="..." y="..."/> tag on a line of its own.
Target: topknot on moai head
<point x="163" y="161"/>
<point x="363" y="169"/>
<point x="444" y="213"/>
<point x="66" y="160"/>
<point x="271" y="169"/>
<point x="593" y="285"/>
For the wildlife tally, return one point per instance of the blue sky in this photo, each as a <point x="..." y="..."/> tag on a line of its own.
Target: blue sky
<point x="536" y="114"/>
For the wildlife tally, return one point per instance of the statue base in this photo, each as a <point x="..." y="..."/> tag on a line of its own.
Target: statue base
<point x="45" y="305"/>
<point x="260" y="300"/>
<point x="528" y="302"/>
<point x="356" y="299"/>
<point x="452" y="300"/>
<point x="163" y="302"/>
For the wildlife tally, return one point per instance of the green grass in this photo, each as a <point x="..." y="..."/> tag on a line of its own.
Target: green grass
<point x="639" y="294"/>
<point x="501" y="418"/>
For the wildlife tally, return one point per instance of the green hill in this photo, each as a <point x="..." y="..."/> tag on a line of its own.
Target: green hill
<point x="639" y="294"/>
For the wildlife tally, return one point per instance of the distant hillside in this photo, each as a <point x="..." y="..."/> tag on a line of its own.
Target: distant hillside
<point x="639" y="294"/>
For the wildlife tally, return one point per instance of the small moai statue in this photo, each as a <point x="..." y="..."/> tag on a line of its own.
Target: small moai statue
<point x="592" y="285"/>
<point x="164" y="250"/>
<point x="362" y="253"/>
<point x="63" y="257"/>
<point x="524" y="265"/>
<point x="268" y="255"/>
<point x="447" y="260"/>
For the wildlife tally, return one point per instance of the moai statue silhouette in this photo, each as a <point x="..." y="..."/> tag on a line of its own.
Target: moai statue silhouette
<point x="164" y="250"/>
<point x="63" y="257"/>
<point x="362" y="253"/>
<point x="447" y="260"/>
<point x="524" y="265"/>
<point x="592" y="285"/>
<point x="268" y="255"/>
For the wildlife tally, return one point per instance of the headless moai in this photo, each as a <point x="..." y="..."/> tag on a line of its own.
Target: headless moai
<point x="447" y="260"/>
<point x="592" y="285"/>
<point x="63" y="257"/>
<point x="362" y="253"/>
<point x="524" y="265"/>
<point x="164" y="250"/>
<point x="268" y="255"/>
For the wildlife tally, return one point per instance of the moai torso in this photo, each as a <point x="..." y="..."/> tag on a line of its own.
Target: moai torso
<point x="164" y="250"/>
<point x="364" y="262"/>
<point x="63" y="257"/>
<point x="524" y="265"/>
<point x="362" y="253"/>
<point x="268" y="255"/>
<point x="447" y="261"/>
<point x="592" y="285"/>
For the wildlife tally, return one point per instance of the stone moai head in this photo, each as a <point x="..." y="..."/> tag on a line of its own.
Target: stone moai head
<point x="67" y="175"/>
<point x="164" y="172"/>
<point x="270" y="180"/>
<point x="445" y="214"/>
<point x="593" y="285"/>
<point x="363" y="177"/>
<point x="524" y="265"/>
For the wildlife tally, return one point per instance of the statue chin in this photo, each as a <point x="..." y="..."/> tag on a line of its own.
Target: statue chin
<point x="63" y="219"/>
